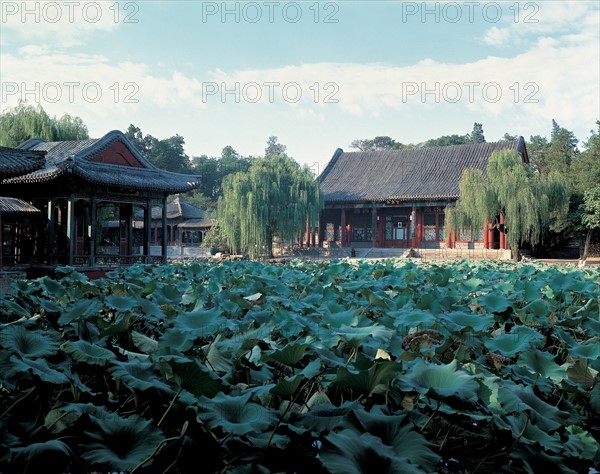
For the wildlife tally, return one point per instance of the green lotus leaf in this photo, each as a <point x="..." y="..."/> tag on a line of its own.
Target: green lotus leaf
<point x="580" y="444"/>
<point x="542" y="363"/>
<point x="529" y="433"/>
<point x="290" y="355"/>
<point x="29" y="343"/>
<point x="138" y="375"/>
<point x="38" y="457"/>
<point x="121" y="303"/>
<point x="404" y="319"/>
<point x="519" y="339"/>
<point x="166" y="294"/>
<point x="120" y="443"/>
<point x="122" y="324"/>
<point x="458" y="321"/>
<point x="10" y="308"/>
<point x="536" y="460"/>
<point x="64" y="417"/>
<point x="312" y="369"/>
<point x="144" y="343"/>
<point x="235" y="414"/>
<point x="189" y="375"/>
<point x="287" y="386"/>
<point x="217" y="358"/>
<point x="472" y="284"/>
<point x="587" y="350"/>
<point x="325" y="417"/>
<point x="83" y="351"/>
<point x="349" y="452"/>
<point x="536" y="313"/>
<point x="200" y="323"/>
<point x="519" y="399"/>
<point x="580" y="372"/>
<point x="80" y="310"/>
<point x="358" y="335"/>
<point x="396" y="431"/>
<point x="175" y="339"/>
<point x="494" y="302"/>
<point x="53" y="288"/>
<point x="367" y="381"/>
<point x="39" y="368"/>
<point x="444" y="380"/>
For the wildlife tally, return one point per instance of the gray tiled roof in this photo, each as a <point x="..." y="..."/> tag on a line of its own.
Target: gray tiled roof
<point x="429" y="173"/>
<point x="75" y="157"/>
<point x="15" y="162"/>
<point x="179" y="208"/>
<point x="16" y="206"/>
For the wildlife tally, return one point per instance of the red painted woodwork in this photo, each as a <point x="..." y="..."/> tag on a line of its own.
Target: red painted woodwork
<point x="117" y="154"/>
<point x="343" y="236"/>
<point x="502" y="234"/>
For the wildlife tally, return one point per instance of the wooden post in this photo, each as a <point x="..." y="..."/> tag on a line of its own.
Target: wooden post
<point x="164" y="230"/>
<point x="485" y="235"/>
<point x="374" y="226"/>
<point x="70" y="231"/>
<point x="93" y="225"/>
<point x="502" y="234"/>
<point x="51" y="231"/>
<point x="147" y="229"/>
<point x="343" y="233"/>
<point x="307" y="231"/>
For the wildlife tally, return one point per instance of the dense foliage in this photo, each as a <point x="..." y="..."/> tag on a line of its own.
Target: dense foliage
<point x="330" y="367"/>
<point x="275" y="197"/>
<point x="19" y="124"/>
<point x="528" y="200"/>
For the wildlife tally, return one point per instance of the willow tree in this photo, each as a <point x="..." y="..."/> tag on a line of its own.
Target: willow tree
<point x="20" y="123"/>
<point x="529" y="201"/>
<point x="275" y="197"/>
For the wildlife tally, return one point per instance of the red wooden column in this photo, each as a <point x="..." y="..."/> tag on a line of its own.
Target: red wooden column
<point x="307" y="231"/>
<point x="320" y="230"/>
<point x="485" y="236"/>
<point x="343" y="236"/>
<point x="374" y="227"/>
<point x="502" y="234"/>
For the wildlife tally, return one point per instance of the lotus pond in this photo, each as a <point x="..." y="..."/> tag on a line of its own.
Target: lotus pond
<point x="385" y="367"/>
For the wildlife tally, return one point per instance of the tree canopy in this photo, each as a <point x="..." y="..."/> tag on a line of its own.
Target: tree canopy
<point x="275" y="197"/>
<point x="529" y="201"/>
<point x="19" y="124"/>
<point x="167" y="154"/>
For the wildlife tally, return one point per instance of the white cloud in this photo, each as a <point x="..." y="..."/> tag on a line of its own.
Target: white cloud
<point x="64" y="23"/>
<point x="527" y="19"/>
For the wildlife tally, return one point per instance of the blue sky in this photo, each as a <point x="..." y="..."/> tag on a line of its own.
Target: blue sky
<point x="316" y="74"/>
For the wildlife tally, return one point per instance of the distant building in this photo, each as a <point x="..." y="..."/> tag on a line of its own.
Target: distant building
<point x="186" y="224"/>
<point x="81" y="184"/>
<point x="397" y="198"/>
<point x="18" y="218"/>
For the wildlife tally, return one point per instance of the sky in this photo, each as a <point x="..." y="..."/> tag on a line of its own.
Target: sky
<point x="317" y="75"/>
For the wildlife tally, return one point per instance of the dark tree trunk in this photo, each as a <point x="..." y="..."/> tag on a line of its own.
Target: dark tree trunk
<point x="586" y="245"/>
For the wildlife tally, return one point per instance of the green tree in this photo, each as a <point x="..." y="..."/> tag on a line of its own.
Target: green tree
<point x="20" y="123"/>
<point x="561" y="152"/>
<point x="274" y="198"/>
<point x="590" y="215"/>
<point x="585" y="167"/>
<point x="274" y="148"/>
<point x="378" y="143"/>
<point x="167" y="154"/>
<point x="510" y="138"/>
<point x="477" y="133"/>
<point x="537" y="148"/>
<point x="529" y="201"/>
<point x="447" y="140"/>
